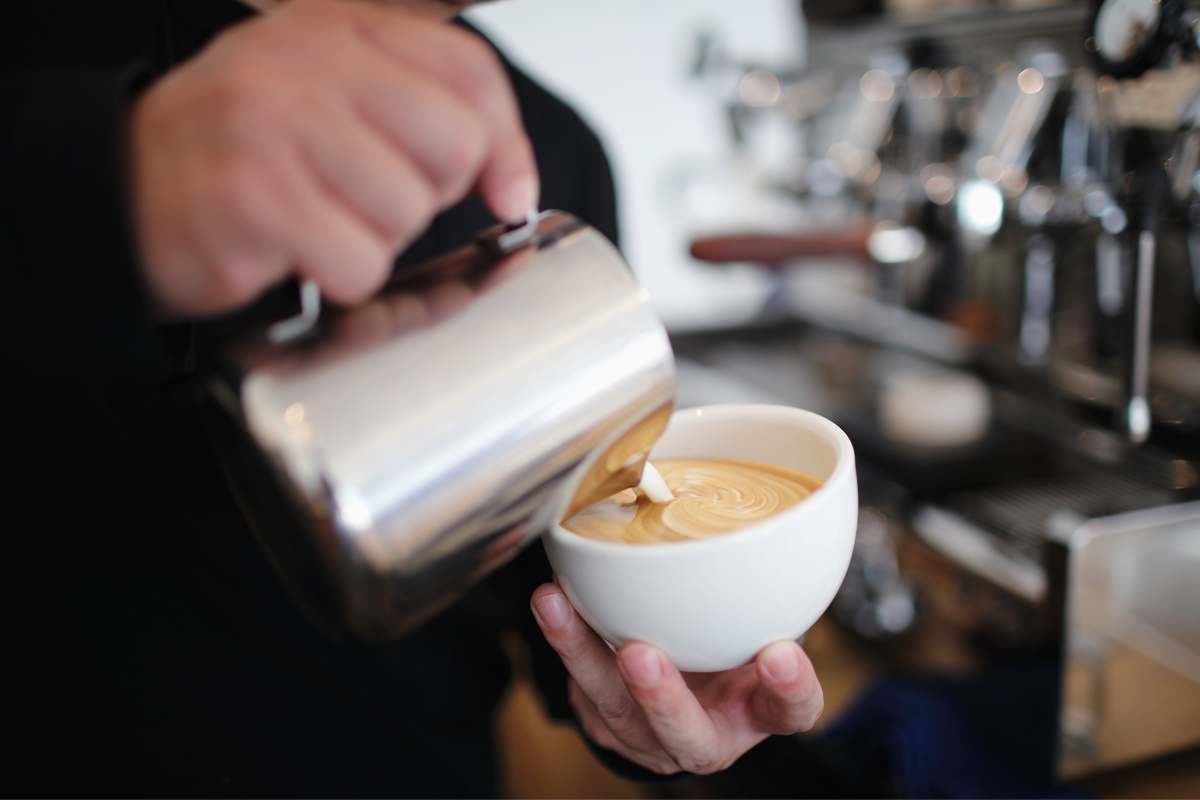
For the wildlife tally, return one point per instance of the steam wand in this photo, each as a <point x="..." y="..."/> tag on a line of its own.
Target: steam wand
<point x="1150" y="188"/>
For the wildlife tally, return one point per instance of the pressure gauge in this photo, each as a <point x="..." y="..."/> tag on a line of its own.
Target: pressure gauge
<point x="1131" y="36"/>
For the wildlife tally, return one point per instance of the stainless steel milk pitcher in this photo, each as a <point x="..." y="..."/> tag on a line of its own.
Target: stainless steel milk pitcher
<point x="391" y="454"/>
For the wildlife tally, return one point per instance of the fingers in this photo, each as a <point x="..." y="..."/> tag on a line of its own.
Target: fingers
<point x="346" y="259"/>
<point x="508" y="182"/>
<point x="598" y="731"/>
<point x="637" y="703"/>
<point x="684" y="728"/>
<point x="507" y="177"/>
<point x="590" y="720"/>
<point x="441" y="98"/>
<point x="260" y="217"/>
<point x="442" y="137"/>
<point x="593" y="667"/>
<point x="377" y="180"/>
<point x="789" y="698"/>
<point x="319" y="139"/>
<point x="328" y="241"/>
<point x="422" y="119"/>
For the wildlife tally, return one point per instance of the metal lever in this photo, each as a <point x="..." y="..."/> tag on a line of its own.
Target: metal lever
<point x="519" y="236"/>
<point x="310" y="311"/>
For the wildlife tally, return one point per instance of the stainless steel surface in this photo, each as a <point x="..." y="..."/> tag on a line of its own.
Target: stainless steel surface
<point x="978" y="550"/>
<point x="851" y="135"/>
<point x="1015" y="111"/>
<point x="968" y="36"/>
<point x="852" y="313"/>
<point x="875" y="600"/>
<point x="894" y="250"/>
<point x="406" y="447"/>
<point x="1038" y="306"/>
<point x="1110" y="276"/>
<point x="1131" y="682"/>
<point x="1137" y="404"/>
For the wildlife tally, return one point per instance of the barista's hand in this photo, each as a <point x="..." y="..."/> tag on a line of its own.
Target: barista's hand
<point x="638" y="704"/>
<point x="318" y="140"/>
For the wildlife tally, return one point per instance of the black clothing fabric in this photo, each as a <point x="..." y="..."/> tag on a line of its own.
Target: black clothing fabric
<point x="150" y="647"/>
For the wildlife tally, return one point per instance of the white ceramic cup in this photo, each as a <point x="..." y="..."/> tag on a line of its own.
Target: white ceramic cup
<point x="712" y="604"/>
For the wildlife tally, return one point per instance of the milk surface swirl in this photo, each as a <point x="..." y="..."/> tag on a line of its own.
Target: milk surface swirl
<point x="712" y="497"/>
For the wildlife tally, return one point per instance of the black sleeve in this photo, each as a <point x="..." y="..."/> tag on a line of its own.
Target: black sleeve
<point x="74" y="293"/>
<point x="598" y="198"/>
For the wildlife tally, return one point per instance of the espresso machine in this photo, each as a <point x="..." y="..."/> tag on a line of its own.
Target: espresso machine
<point x="1008" y="322"/>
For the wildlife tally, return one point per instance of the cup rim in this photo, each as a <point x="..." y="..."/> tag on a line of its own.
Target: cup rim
<point x="843" y="471"/>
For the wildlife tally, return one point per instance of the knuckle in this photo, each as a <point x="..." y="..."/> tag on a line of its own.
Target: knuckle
<point x="233" y="280"/>
<point x="595" y="730"/>
<point x="237" y="98"/>
<point x="478" y="66"/>
<point x="658" y="704"/>
<point x="350" y="291"/>
<point x="664" y="768"/>
<point x="239" y="189"/>
<point x="308" y="12"/>
<point x="242" y="69"/>
<point x="807" y="706"/>
<point x="799" y="722"/>
<point x="370" y="276"/>
<point x="305" y="7"/>
<point x="700" y="763"/>
<point x="814" y="715"/>
<point x="804" y="726"/>
<point x="619" y="710"/>
<point x="412" y="217"/>
<point x="568" y="643"/>
<point x="289" y="27"/>
<point x="227" y="97"/>
<point x="353" y="279"/>
<point x="593" y="727"/>
<point x="466" y="147"/>
<point x="576" y="697"/>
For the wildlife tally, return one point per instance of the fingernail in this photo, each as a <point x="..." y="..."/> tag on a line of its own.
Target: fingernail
<point x="551" y="611"/>
<point x="643" y="666"/>
<point x="781" y="662"/>
<point x="521" y="195"/>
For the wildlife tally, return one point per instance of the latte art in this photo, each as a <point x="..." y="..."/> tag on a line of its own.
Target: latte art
<point x="712" y="497"/>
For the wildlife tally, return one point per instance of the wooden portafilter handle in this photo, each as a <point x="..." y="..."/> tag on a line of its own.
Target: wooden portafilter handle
<point x="778" y="249"/>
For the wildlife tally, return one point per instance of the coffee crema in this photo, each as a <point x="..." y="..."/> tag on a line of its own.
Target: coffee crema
<point x="712" y="497"/>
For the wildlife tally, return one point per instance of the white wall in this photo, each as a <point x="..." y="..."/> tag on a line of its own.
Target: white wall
<point x="623" y="64"/>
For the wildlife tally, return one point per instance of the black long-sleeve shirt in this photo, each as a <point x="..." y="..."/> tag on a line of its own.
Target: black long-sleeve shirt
<point x="150" y="647"/>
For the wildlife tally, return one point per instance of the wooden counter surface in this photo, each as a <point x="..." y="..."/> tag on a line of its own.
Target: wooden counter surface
<point x="542" y="759"/>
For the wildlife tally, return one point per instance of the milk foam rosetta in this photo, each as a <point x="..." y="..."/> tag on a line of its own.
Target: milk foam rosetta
<point x="712" y="497"/>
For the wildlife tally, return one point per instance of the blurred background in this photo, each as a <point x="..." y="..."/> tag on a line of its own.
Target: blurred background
<point x="969" y="232"/>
